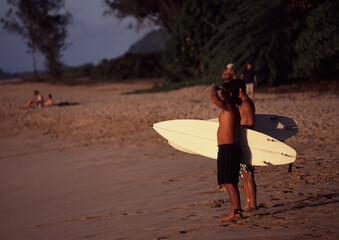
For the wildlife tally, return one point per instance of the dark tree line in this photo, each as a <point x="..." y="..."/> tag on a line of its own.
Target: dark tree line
<point x="128" y="66"/>
<point x="43" y="26"/>
<point x="184" y="57"/>
<point x="317" y="45"/>
<point x="284" y="40"/>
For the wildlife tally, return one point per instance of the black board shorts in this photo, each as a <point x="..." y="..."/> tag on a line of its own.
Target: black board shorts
<point x="228" y="164"/>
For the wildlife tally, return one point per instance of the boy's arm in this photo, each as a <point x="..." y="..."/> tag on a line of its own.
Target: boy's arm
<point x="216" y="99"/>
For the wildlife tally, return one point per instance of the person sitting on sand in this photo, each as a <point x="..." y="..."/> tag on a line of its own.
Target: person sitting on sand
<point x="37" y="101"/>
<point x="247" y="113"/>
<point x="228" y="75"/>
<point x="228" y="161"/>
<point x="49" y="101"/>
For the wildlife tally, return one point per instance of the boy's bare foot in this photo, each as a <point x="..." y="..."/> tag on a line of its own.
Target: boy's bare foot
<point x="237" y="215"/>
<point x="227" y="218"/>
<point x="248" y="205"/>
<point x="232" y="218"/>
<point x="236" y="218"/>
<point x="250" y="209"/>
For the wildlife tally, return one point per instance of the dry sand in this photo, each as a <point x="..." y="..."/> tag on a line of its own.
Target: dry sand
<point x="97" y="170"/>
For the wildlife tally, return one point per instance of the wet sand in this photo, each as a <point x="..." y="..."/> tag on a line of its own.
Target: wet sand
<point x="97" y="170"/>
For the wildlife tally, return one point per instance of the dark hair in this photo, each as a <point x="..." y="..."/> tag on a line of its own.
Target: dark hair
<point x="240" y="84"/>
<point x="36" y="92"/>
<point x="234" y="89"/>
<point x="50" y="96"/>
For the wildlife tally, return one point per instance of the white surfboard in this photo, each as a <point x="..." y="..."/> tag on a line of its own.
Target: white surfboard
<point x="276" y="126"/>
<point x="200" y="137"/>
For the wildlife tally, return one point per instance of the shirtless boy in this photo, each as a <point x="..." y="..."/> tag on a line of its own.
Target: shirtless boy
<point x="228" y="162"/>
<point x="247" y="112"/>
<point x="49" y="101"/>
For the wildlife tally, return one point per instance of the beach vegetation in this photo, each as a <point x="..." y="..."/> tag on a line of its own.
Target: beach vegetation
<point x="128" y="66"/>
<point x="317" y="46"/>
<point x="286" y="41"/>
<point x="276" y="36"/>
<point x="184" y="56"/>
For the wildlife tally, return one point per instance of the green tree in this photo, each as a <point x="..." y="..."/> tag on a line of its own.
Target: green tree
<point x="44" y="28"/>
<point x="317" y="46"/>
<point x="161" y="12"/>
<point x="275" y="35"/>
<point x="259" y="32"/>
<point x="185" y="57"/>
<point x="129" y="66"/>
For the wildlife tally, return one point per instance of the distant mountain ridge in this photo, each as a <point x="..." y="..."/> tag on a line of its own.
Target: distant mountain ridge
<point x="151" y="42"/>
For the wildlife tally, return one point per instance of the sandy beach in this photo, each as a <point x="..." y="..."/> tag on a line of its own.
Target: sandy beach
<point x="96" y="169"/>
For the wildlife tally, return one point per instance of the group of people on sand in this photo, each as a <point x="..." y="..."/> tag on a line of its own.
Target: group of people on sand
<point x="38" y="101"/>
<point x="237" y="109"/>
<point x="248" y="74"/>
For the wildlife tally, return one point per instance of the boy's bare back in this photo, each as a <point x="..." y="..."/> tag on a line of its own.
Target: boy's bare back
<point x="247" y="112"/>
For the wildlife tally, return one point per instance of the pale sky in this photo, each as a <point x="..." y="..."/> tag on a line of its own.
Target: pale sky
<point x="93" y="37"/>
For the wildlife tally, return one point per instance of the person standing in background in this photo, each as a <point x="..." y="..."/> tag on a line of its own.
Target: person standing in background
<point x="228" y="75"/>
<point x="249" y="75"/>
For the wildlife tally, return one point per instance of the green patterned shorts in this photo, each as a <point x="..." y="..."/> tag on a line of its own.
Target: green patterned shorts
<point x="246" y="168"/>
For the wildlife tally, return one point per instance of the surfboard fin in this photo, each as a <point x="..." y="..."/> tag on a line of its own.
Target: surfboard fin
<point x="291" y="127"/>
<point x="290" y="167"/>
<point x="268" y="163"/>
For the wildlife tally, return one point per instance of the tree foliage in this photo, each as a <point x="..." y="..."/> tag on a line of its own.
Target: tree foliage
<point x="273" y="34"/>
<point x="184" y="56"/>
<point x="42" y="25"/>
<point x="161" y="12"/>
<point x="259" y="32"/>
<point x="128" y="66"/>
<point x="317" y="46"/>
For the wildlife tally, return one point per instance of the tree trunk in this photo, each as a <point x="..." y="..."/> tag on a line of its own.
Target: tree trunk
<point x="35" y="75"/>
